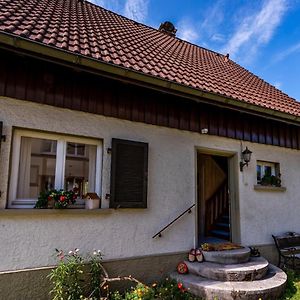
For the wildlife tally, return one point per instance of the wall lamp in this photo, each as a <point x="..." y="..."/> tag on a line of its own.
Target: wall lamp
<point x="245" y="158"/>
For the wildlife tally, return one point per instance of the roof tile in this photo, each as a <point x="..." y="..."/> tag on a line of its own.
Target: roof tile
<point x="95" y="32"/>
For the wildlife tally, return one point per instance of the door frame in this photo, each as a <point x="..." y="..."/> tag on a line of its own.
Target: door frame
<point x="233" y="169"/>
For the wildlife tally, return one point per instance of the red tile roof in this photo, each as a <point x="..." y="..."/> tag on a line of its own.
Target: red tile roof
<point x="94" y="32"/>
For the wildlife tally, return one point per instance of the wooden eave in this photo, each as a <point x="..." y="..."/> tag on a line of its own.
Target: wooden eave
<point x="48" y="53"/>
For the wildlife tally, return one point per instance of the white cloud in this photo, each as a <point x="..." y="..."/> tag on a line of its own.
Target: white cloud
<point x="257" y="29"/>
<point x="187" y="31"/>
<point x="98" y="2"/>
<point x="136" y="10"/>
<point x="191" y="29"/>
<point x="218" y="37"/>
<point x="289" y="51"/>
<point x="113" y="5"/>
<point x="278" y="84"/>
<point x="214" y="16"/>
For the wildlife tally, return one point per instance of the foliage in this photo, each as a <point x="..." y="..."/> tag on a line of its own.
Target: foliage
<point x="292" y="291"/>
<point x="68" y="280"/>
<point x="57" y="198"/>
<point x="68" y="277"/>
<point x="96" y="273"/>
<point x="166" y="290"/>
<point x="271" y="180"/>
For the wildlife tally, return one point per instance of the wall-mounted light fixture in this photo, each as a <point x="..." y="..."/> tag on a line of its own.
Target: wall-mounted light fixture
<point x="245" y="158"/>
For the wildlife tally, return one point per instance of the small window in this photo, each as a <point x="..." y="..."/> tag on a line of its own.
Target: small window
<point x="44" y="161"/>
<point x="268" y="173"/>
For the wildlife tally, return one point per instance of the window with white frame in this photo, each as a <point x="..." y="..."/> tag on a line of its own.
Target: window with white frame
<point x="43" y="161"/>
<point x="266" y="171"/>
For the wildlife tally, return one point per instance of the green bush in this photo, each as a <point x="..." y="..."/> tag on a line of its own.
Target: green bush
<point x="166" y="290"/>
<point x="292" y="290"/>
<point x="78" y="277"/>
<point x="68" y="277"/>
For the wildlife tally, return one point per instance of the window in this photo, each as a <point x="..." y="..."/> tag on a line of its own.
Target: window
<point x="268" y="173"/>
<point x="44" y="161"/>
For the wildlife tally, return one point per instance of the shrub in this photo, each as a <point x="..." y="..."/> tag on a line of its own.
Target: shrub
<point x="166" y="290"/>
<point x="68" y="277"/>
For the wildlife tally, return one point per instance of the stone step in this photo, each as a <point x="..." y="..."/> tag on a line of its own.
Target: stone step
<point x="255" y="269"/>
<point x="268" y="288"/>
<point x="236" y="256"/>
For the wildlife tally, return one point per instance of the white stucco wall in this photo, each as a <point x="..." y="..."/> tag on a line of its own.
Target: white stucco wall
<point x="29" y="239"/>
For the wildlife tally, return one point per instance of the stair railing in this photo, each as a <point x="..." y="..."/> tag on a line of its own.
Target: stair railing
<point x="159" y="233"/>
<point x="216" y="205"/>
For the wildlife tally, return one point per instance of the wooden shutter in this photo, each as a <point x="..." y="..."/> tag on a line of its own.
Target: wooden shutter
<point x="129" y="167"/>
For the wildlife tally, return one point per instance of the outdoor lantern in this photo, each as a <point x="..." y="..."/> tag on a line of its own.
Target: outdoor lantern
<point x="245" y="159"/>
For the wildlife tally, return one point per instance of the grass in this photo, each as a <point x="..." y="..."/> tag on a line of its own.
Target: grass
<point x="292" y="291"/>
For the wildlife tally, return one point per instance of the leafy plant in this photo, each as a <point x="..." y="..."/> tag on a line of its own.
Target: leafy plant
<point x="66" y="276"/>
<point x="96" y="273"/>
<point x="173" y="290"/>
<point x="56" y="198"/>
<point x="166" y="290"/>
<point x="271" y="180"/>
<point x="68" y="281"/>
<point x="292" y="290"/>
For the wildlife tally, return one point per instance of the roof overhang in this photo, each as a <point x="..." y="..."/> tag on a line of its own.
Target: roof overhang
<point x="39" y="50"/>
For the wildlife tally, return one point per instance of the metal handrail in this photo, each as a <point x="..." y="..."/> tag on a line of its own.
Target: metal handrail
<point x="189" y="210"/>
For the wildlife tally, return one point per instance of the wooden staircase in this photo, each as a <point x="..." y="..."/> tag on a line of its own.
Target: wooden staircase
<point x="217" y="223"/>
<point x="221" y="228"/>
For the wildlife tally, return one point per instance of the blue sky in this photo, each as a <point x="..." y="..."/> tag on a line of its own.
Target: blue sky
<point x="261" y="35"/>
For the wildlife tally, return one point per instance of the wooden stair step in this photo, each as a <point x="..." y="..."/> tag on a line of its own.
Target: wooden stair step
<point x="220" y="233"/>
<point x="223" y="226"/>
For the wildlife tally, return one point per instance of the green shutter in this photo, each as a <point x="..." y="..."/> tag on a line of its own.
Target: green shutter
<point x="129" y="167"/>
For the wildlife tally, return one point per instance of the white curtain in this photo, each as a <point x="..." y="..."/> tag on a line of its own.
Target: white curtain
<point x="92" y="168"/>
<point x="24" y="169"/>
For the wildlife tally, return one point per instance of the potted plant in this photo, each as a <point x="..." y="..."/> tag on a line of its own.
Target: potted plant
<point x="271" y="180"/>
<point x="56" y="199"/>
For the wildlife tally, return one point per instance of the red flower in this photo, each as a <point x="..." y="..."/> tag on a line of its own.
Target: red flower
<point x="62" y="198"/>
<point x="49" y="198"/>
<point x="180" y="285"/>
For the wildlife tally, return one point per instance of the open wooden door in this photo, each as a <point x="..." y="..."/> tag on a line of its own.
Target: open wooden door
<point x="213" y="197"/>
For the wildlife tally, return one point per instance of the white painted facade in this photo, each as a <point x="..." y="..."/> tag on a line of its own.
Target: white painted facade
<point x="29" y="238"/>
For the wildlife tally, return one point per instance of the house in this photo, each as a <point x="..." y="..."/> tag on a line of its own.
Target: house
<point x="153" y="124"/>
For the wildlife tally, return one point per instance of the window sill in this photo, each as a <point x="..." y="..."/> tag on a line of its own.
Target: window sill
<point x="268" y="188"/>
<point x="65" y="211"/>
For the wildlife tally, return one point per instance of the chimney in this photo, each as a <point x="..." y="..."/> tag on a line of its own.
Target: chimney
<point x="168" y="28"/>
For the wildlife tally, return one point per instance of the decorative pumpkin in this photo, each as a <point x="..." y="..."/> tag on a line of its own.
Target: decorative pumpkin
<point x="182" y="268"/>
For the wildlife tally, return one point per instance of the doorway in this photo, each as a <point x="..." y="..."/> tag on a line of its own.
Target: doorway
<point x="214" y="203"/>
